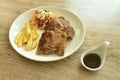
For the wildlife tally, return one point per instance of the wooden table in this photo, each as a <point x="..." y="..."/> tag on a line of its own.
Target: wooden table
<point x="102" y="21"/>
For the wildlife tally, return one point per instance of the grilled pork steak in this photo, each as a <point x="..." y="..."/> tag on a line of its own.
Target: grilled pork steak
<point x="55" y="36"/>
<point x="52" y="42"/>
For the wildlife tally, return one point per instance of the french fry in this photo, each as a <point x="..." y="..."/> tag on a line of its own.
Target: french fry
<point x="28" y="29"/>
<point x="34" y="34"/>
<point x="20" y="43"/>
<point x="34" y="44"/>
<point x="25" y="37"/>
<point x="17" y="37"/>
<point x="31" y="26"/>
<point x="29" y="44"/>
<point x="38" y="33"/>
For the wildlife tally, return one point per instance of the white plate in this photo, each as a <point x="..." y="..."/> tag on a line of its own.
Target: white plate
<point x="72" y="45"/>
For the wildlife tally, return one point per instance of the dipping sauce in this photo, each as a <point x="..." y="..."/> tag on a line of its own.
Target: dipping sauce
<point x="92" y="60"/>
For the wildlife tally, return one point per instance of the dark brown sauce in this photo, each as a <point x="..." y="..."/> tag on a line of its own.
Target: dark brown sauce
<point x="92" y="60"/>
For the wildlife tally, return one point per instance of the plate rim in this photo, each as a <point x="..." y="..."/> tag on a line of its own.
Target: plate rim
<point x="82" y="40"/>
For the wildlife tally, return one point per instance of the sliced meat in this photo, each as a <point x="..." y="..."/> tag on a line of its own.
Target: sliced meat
<point x="52" y="42"/>
<point x="70" y="33"/>
<point x="64" y="21"/>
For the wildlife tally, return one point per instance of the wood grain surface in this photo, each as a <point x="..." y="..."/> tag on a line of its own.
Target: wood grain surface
<point x="102" y="21"/>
